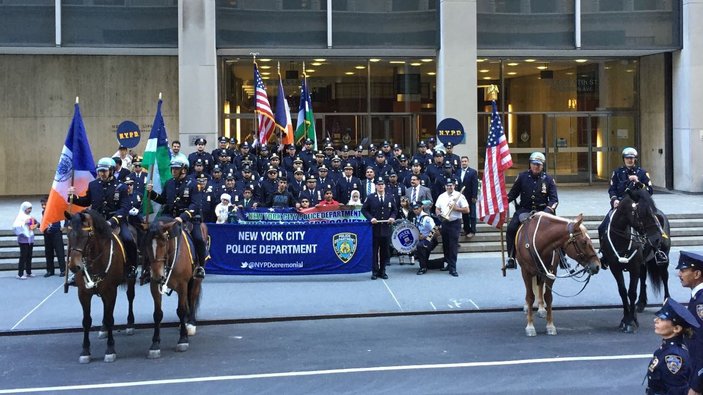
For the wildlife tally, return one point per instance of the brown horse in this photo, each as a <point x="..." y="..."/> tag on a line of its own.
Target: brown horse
<point x="97" y="258"/>
<point x="538" y="245"/>
<point x="172" y="259"/>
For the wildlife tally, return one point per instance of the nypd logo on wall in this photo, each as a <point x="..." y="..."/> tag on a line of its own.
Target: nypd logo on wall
<point x="450" y="130"/>
<point x="128" y="134"/>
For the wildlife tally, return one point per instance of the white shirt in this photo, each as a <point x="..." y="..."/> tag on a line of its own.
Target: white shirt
<point x="695" y="290"/>
<point x="443" y="202"/>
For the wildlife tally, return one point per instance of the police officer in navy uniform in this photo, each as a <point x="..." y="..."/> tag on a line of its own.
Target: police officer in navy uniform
<point x="347" y="184"/>
<point x="670" y="367"/>
<point x="110" y="198"/>
<point x="221" y="149"/>
<point x="690" y="273"/>
<point x="628" y="176"/>
<point x="139" y="175"/>
<point x="380" y="206"/>
<point x="179" y="201"/>
<point x="200" y="153"/>
<point x="537" y="192"/>
<point x="426" y="226"/>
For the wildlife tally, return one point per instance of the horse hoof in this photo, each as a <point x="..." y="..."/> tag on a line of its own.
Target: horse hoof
<point x="628" y="329"/>
<point x="154" y="354"/>
<point x="641" y="306"/>
<point x="530" y="331"/>
<point x="84" y="359"/>
<point x="110" y="358"/>
<point x="542" y="313"/>
<point x="181" y="347"/>
<point x="551" y="330"/>
<point x="525" y="309"/>
<point x="191" y="329"/>
<point x="129" y="331"/>
<point x="102" y="334"/>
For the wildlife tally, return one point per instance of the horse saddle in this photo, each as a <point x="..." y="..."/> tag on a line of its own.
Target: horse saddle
<point x="524" y="217"/>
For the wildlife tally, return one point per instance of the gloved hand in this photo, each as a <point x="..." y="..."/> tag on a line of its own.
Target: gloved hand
<point x="133" y="211"/>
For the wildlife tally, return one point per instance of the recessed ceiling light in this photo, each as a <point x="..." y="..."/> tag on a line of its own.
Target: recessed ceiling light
<point x="542" y="67"/>
<point x="264" y="60"/>
<point x="359" y="67"/>
<point x="310" y="70"/>
<point x="397" y="62"/>
<point x="484" y="71"/>
<point x="264" y="67"/>
<point x="319" y="60"/>
<point x="480" y="60"/>
<point x="431" y="73"/>
<point x="512" y="73"/>
<point x="416" y="64"/>
<point x="265" y="78"/>
<point x="581" y="60"/>
<point x="629" y="71"/>
<point x="512" y="64"/>
<point x="349" y="73"/>
<point x="529" y="60"/>
<point x="316" y="64"/>
<point x="487" y="78"/>
<point x="265" y="73"/>
<point x="426" y="60"/>
<point x="374" y="60"/>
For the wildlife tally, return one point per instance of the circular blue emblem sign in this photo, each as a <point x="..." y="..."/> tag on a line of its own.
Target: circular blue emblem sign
<point x="128" y="134"/>
<point x="450" y="130"/>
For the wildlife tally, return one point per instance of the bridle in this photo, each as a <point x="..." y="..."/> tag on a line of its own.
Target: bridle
<point x="636" y="234"/>
<point x="93" y="280"/>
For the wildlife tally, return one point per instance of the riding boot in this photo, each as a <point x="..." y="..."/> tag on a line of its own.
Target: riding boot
<point x="145" y="277"/>
<point x="511" y="264"/>
<point x="199" y="271"/>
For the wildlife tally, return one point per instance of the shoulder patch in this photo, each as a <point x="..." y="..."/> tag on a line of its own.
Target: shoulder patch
<point x="653" y="364"/>
<point x="673" y="363"/>
<point x="699" y="311"/>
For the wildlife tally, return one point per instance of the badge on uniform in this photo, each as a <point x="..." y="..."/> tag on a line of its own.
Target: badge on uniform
<point x="208" y="198"/>
<point x="139" y="198"/>
<point x="186" y="193"/>
<point x="699" y="310"/>
<point x="653" y="364"/>
<point x="117" y="195"/>
<point x="389" y="204"/>
<point x="673" y="362"/>
<point x="544" y="187"/>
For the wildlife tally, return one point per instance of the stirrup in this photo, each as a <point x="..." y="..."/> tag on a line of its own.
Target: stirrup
<point x="511" y="264"/>
<point x="145" y="277"/>
<point x="660" y="258"/>
<point x="199" y="272"/>
<point x="131" y="272"/>
<point x="71" y="280"/>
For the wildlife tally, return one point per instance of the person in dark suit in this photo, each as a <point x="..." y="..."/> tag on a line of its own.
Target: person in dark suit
<point x="368" y="185"/>
<point x="418" y="193"/>
<point x="468" y="179"/>
<point x="380" y="206"/>
<point x="248" y="200"/>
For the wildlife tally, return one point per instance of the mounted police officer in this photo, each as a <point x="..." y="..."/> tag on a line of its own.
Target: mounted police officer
<point x="111" y="199"/>
<point x="628" y="176"/>
<point x="537" y="191"/>
<point x="179" y="200"/>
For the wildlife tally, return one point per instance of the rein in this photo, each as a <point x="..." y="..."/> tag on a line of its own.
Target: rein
<point x="634" y="237"/>
<point x="93" y="281"/>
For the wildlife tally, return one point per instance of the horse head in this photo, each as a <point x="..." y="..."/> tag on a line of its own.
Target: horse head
<point x="640" y="211"/>
<point x="159" y="248"/>
<point x="85" y="231"/>
<point x="579" y="246"/>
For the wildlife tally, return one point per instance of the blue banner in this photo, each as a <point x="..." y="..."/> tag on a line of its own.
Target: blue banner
<point x="289" y="249"/>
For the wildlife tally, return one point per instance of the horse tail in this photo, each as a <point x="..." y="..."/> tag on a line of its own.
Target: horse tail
<point x="194" y="293"/>
<point x="654" y="271"/>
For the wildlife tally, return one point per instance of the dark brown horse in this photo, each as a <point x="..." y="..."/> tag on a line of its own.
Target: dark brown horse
<point x="97" y="258"/>
<point x="538" y="245"/>
<point x="172" y="259"/>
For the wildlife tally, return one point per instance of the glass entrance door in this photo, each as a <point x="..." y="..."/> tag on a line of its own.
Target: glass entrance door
<point x="569" y="140"/>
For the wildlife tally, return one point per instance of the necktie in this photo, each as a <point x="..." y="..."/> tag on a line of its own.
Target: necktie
<point x="463" y="174"/>
<point x="413" y="198"/>
<point x="381" y="197"/>
<point x="368" y="187"/>
<point x="246" y="202"/>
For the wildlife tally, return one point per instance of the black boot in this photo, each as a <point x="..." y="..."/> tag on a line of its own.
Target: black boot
<point x="511" y="264"/>
<point x="131" y="272"/>
<point x="145" y="277"/>
<point x="199" y="272"/>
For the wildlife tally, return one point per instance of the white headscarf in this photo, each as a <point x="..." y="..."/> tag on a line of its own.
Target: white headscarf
<point x="355" y="199"/>
<point x="22" y="217"/>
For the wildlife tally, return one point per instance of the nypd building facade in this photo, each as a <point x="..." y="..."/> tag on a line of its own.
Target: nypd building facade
<point x="578" y="79"/>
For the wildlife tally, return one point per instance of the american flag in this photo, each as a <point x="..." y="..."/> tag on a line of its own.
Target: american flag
<point x="267" y="123"/>
<point x="493" y="206"/>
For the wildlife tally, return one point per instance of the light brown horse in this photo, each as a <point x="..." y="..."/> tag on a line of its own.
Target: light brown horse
<point x="97" y="257"/>
<point x="171" y="254"/>
<point x="538" y="245"/>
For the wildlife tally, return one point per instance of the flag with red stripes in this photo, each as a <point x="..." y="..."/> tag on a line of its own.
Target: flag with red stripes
<point x="493" y="205"/>
<point x="267" y="124"/>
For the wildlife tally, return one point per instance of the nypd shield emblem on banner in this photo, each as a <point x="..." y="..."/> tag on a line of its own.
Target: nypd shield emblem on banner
<point x="344" y="245"/>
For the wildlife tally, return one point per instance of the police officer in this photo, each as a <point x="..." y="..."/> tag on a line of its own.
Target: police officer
<point x="690" y="269"/>
<point x="628" y="176"/>
<point x="537" y="192"/>
<point x="449" y="207"/>
<point x="425" y="224"/>
<point x="110" y="198"/>
<point x="380" y="206"/>
<point x="670" y="367"/>
<point x="139" y="175"/>
<point x="221" y="149"/>
<point x="200" y="153"/>
<point x="179" y="200"/>
<point x="347" y="184"/>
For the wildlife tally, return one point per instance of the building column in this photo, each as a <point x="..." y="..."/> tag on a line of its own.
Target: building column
<point x="456" y="71"/>
<point x="197" y="74"/>
<point x="687" y="102"/>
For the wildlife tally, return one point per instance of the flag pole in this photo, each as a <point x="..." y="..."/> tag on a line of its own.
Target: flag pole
<point x="70" y="211"/>
<point x="256" y="121"/>
<point x="151" y="179"/>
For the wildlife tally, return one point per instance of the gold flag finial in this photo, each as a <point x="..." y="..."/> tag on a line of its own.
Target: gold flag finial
<point x="493" y="93"/>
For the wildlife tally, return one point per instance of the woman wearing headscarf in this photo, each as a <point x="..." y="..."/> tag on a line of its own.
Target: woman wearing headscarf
<point x="23" y="227"/>
<point x="355" y="199"/>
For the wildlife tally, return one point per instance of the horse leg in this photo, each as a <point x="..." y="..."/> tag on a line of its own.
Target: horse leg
<point x="130" y="300"/>
<point x="529" y="301"/>
<point x="665" y="279"/>
<point x="155" y="349"/>
<point x="631" y="321"/>
<point x="109" y="322"/>
<point x="182" y="312"/>
<point x="616" y="270"/>
<point x="84" y="297"/>
<point x="539" y="290"/>
<point x="642" y="301"/>
<point x="194" y="288"/>
<point x="548" y="298"/>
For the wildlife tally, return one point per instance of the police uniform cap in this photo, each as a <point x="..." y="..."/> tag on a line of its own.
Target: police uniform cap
<point x="416" y="162"/>
<point x="311" y="178"/>
<point x="223" y="153"/>
<point x="246" y="160"/>
<point x="438" y="154"/>
<point x="216" y="169"/>
<point x="415" y="205"/>
<point x="349" y="166"/>
<point x="298" y="172"/>
<point x="264" y="148"/>
<point x="274" y="156"/>
<point x="229" y="177"/>
<point x="322" y="168"/>
<point x="360" y="148"/>
<point x="281" y="178"/>
<point x="328" y="147"/>
<point x="244" y="145"/>
<point x="199" y="162"/>
<point x="137" y="160"/>
<point x="177" y="163"/>
<point x="690" y="260"/>
<point x="421" y="144"/>
<point x="200" y="141"/>
<point x="392" y="174"/>
<point x="222" y="139"/>
<point x="319" y="153"/>
<point x="431" y="140"/>
<point x="386" y="143"/>
<point x="449" y="145"/>
<point x="121" y="147"/>
<point x="372" y="147"/>
<point x="380" y="154"/>
<point x="233" y="140"/>
<point x="449" y="180"/>
<point x="308" y="141"/>
<point x="246" y="168"/>
<point x="345" y="148"/>
<point x="290" y="146"/>
<point x="272" y="169"/>
<point x="402" y="157"/>
<point x="297" y="160"/>
<point x="677" y="314"/>
<point x="128" y="180"/>
<point x="448" y="165"/>
<point x="336" y="159"/>
<point x="380" y="180"/>
<point x="396" y="146"/>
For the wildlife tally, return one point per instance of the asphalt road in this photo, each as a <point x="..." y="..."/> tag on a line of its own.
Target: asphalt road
<point x="455" y="353"/>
